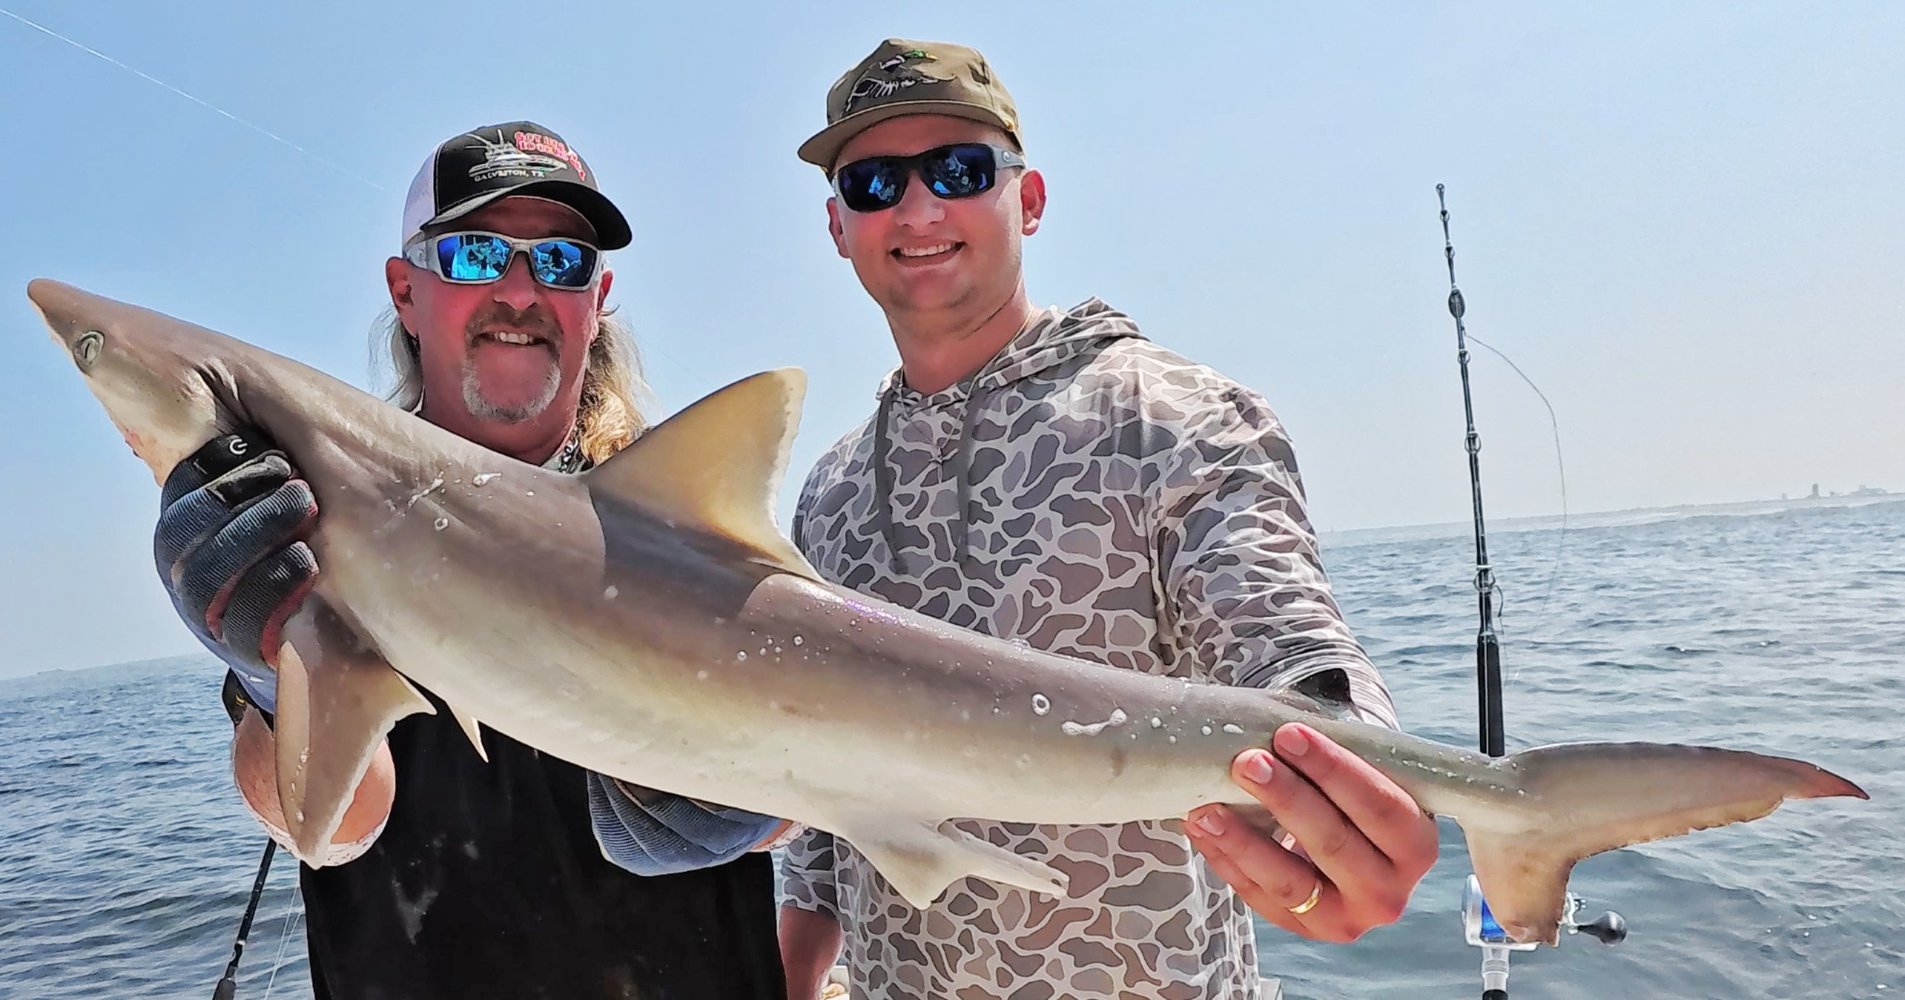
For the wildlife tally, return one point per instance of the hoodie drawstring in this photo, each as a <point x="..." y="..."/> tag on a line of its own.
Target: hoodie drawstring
<point x="1089" y="323"/>
<point x="883" y="477"/>
<point x="961" y="474"/>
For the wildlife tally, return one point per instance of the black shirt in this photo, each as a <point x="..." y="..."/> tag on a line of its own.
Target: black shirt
<point x="488" y="882"/>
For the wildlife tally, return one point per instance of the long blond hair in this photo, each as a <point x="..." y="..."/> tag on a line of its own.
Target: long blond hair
<point x="610" y="414"/>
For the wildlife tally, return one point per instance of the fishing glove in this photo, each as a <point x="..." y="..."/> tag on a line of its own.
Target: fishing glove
<point x="228" y="549"/>
<point x="658" y="833"/>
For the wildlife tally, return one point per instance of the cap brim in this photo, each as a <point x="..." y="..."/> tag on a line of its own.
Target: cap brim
<point x="611" y="228"/>
<point x="825" y="146"/>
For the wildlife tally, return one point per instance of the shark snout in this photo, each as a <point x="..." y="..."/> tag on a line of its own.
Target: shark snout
<point x="58" y="305"/>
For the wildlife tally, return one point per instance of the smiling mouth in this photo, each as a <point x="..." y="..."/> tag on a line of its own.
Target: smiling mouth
<point x="512" y="338"/>
<point x="927" y="254"/>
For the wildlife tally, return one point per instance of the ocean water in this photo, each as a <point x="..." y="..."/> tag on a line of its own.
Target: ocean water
<point x="125" y="862"/>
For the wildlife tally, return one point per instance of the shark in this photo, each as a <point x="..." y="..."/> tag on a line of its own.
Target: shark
<point x="648" y="620"/>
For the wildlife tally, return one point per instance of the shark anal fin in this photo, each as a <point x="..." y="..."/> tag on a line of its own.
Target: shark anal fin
<point x="471" y="728"/>
<point x="717" y="465"/>
<point x="336" y="700"/>
<point x="920" y="859"/>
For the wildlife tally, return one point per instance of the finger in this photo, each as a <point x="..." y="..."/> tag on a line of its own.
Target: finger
<point x="1282" y="879"/>
<point x="1269" y="886"/>
<point x="252" y="622"/>
<point x="208" y="574"/>
<point x="1333" y="844"/>
<point x="187" y="522"/>
<point x="1378" y="807"/>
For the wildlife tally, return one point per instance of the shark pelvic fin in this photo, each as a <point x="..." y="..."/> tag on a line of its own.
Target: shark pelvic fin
<point x="336" y="700"/>
<point x="717" y="465"/>
<point x="920" y="859"/>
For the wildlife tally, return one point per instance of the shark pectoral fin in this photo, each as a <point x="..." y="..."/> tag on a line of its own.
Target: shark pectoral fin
<point x="472" y="729"/>
<point x="717" y="465"/>
<point x="336" y="700"/>
<point x="1615" y="795"/>
<point x="921" y="859"/>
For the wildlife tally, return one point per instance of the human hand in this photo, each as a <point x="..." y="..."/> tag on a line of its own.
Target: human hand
<point x="228" y="548"/>
<point x="1360" y="844"/>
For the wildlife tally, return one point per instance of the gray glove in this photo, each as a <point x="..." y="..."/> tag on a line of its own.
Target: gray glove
<point x="229" y="550"/>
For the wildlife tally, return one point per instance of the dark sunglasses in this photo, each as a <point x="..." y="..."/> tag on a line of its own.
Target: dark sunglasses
<point x="477" y="258"/>
<point x="960" y="170"/>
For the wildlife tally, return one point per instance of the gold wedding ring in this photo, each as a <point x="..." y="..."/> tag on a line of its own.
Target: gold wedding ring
<point x="1316" y="896"/>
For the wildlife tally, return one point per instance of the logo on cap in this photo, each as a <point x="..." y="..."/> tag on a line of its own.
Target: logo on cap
<point x="890" y="77"/>
<point x="525" y="154"/>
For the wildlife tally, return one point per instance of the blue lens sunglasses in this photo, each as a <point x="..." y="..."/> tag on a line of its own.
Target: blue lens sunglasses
<point x="478" y="258"/>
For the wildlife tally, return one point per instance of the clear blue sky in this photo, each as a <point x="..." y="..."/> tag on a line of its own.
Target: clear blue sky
<point x="1684" y="223"/>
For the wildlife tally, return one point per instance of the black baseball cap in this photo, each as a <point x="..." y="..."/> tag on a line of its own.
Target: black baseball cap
<point x="471" y="170"/>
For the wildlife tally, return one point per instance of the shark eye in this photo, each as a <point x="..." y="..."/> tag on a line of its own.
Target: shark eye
<point x="86" y="348"/>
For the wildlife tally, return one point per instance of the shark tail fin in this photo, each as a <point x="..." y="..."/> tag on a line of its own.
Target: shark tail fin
<point x="1624" y="794"/>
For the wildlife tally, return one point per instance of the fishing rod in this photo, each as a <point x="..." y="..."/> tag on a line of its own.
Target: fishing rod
<point x="228" y="986"/>
<point x="1488" y="656"/>
<point x="1479" y="925"/>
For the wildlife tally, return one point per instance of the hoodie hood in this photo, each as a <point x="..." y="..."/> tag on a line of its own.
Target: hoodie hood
<point x="1051" y="337"/>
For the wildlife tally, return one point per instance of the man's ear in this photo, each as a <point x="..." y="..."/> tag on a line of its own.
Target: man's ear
<point x="1031" y="201"/>
<point x="601" y="299"/>
<point x="833" y="227"/>
<point x="397" y="278"/>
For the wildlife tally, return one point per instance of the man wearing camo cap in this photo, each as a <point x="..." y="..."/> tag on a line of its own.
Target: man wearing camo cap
<point x="1052" y="476"/>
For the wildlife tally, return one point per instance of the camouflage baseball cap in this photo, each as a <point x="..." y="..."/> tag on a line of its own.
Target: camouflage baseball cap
<point x="905" y="77"/>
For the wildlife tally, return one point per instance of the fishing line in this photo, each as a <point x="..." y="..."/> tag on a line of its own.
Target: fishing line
<point x="267" y="133"/>
<point x="1561" y="472"/>
<point x="653" y="345"/>
<point x="284" y="938"/>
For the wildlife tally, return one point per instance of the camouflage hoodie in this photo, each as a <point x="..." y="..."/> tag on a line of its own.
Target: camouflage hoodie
<point x="1089" y="493"/>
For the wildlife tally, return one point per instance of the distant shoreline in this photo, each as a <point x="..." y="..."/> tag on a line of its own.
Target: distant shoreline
<point x="130" y="666"/>
<point x="1611" y="518"/>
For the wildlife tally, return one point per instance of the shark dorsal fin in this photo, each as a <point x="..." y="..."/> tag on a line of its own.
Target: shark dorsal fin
<point x="717" y="465"/>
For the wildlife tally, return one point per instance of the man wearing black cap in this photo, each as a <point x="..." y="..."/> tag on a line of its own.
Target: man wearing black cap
<point x="523" y="875"/>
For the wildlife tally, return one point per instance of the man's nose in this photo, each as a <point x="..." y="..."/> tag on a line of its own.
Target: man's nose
<point x="517" y="287"/>
<point x="919" y="207"/>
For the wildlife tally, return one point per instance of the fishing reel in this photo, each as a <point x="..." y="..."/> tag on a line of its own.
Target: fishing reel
<point x="1480" y="929"/>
